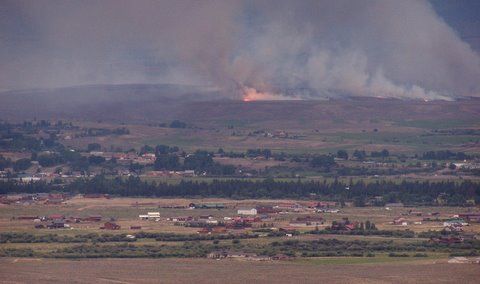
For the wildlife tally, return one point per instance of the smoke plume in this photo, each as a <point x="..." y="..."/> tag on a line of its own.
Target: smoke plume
<point x="253" y="49"/>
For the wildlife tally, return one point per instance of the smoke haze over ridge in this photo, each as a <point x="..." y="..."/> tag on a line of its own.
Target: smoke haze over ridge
<point x="294" y="49"/>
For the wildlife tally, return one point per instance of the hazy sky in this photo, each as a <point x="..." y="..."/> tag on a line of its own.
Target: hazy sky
<point x="388" y="48"/>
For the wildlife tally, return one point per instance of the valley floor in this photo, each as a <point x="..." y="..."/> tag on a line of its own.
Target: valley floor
<point x="28" y="270"/>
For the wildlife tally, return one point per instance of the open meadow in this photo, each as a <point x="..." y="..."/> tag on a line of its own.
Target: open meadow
<point x="232" y="271"/>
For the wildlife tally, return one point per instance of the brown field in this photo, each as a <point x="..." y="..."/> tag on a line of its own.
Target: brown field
<point x="230" y="271"/>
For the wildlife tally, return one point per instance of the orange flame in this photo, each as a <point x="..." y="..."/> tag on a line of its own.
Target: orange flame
<point x="251" y="94"/>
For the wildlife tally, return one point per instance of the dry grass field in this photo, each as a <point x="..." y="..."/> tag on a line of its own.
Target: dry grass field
<point x="327" y="137"/>
<point x="27" y="270"/>
<point x="313" y="126"/>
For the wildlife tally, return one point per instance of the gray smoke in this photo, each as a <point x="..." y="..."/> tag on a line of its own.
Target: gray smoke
<point x="296" y="49"/>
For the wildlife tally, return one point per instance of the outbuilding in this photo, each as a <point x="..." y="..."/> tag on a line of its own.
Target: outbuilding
<point x="110" y="226"/>
<point x="247" y="211"/>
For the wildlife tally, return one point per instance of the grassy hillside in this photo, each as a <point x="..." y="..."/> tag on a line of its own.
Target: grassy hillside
<point x="214" y="122"/>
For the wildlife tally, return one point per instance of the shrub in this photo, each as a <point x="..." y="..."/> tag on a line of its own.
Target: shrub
<point x="420" y="255"/>
<point x="392" y="254"/>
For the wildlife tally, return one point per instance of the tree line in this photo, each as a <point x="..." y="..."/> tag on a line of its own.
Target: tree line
<point x="408" y="192"/>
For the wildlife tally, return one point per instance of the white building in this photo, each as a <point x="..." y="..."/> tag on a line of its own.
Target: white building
<point x="212" y="221"/>
<point x="150" y="216"/>
<point x="29" y="179"/>
<point x="250" y="211"/>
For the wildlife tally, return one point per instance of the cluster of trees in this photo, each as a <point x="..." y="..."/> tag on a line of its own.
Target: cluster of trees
<point x="202" y="161"/>
<point x="266" y="153"/>
<point x="19" y="141"/>
<point x="322" y="161"/>
<point x="4" y="163"/>
<point x="172" y="237"/>
<point x="31" y="127"/>
<point x="382" y="154"/>
<point x="318" y="161"/>
<point x="367" y="171"/>
<point x="369" y="232"/>
<point x="48" y="160"/>
<point x="54" y="238"/>
<point x="74" y="159"/>
<point x="408" y="192"/>
<point x="251" y="153"/>
<point x="94" y="147"/>
<point x="167" y="162"/>
<point x="165" y="157"/>
<point x="19" y="165"/>
<point x="295" y="248"/>
<point x="122" y="250"/>
<point x="199" y="161"/>
<point x="104" y="238"/>
<point x="16" y="137"/>
<point x="93" y="132"/>
<point x="178" y="124"/>
<point x="334" y="247"/>
<point x="342" y="154"/>
<point x="445" y="155"/>
<point x="361" y="154"/>
<point x="22" y="164"/>
<point x="173" y="124"/>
